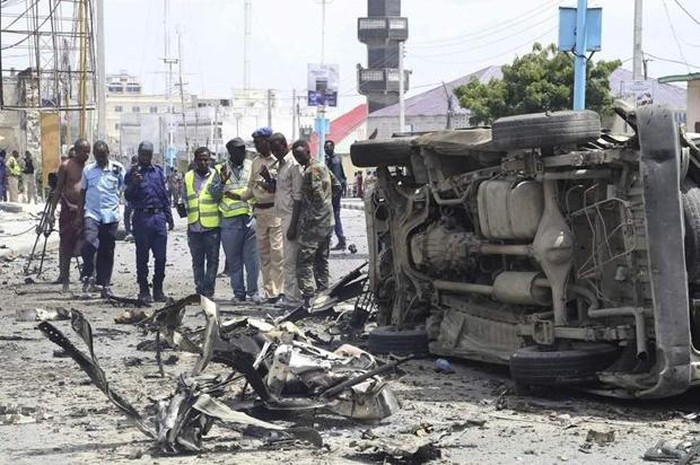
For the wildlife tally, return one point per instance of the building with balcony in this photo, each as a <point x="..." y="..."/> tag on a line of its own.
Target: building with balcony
<point x="382" y="31"/>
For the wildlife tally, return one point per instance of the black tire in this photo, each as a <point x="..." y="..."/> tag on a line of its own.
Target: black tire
<point x="389" y="340"/>
<point x="690" y="197"/>
<point x="388" y="152"/>
<point x="538" y="366"/>
<point x="545" y="129"/>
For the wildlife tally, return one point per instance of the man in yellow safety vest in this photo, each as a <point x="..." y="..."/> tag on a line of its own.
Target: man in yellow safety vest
<point x="203" y="222"/>
<point x="237" y="222"/>
<point x="14" y="171"/>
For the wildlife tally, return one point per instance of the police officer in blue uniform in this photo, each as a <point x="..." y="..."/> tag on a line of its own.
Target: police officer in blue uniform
<point x="152" y="218"/>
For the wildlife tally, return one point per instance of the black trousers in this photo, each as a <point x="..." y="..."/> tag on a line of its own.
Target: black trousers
<point x="98" y="250"/>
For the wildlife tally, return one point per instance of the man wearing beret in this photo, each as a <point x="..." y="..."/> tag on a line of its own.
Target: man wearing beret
<point x="268" y="224"/>
<point x="147" y="193"/>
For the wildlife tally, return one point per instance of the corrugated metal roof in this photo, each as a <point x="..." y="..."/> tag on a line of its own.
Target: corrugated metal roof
<point x="434" y="101"/>
<point x="680" y="78"/>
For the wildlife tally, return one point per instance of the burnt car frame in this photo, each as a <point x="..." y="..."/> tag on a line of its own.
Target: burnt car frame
<point x="544" y="243"/>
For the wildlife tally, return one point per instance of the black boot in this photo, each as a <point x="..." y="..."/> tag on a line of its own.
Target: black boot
<point x="340" y="245"/>
<point x="158" y="294"/>
<point x="145" y="294"/>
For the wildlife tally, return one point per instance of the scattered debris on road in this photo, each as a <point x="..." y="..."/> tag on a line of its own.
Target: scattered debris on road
<point x="40" y="314"/>
<point x="285" y="371"/>
<point x="391" y="452"/>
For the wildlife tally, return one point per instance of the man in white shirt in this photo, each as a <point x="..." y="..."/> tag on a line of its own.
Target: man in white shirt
<point x="287" y="194"/>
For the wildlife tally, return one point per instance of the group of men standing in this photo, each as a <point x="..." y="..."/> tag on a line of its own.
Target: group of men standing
<point x="12" y="169"/>
<point x="274" y="215"/>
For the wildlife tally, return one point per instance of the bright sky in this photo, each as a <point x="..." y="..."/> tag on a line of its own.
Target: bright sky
<point x="447" y="39"/>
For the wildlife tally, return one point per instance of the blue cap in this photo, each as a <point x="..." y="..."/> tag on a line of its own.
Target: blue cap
<point x="145" y="146"/>
<point x="262" y="132"/>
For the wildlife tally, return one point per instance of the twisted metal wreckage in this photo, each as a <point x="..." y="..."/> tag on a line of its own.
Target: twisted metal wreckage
<point x="285" y="371"/>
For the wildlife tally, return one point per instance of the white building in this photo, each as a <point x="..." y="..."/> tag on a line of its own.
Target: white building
<point x="132" y="116"/>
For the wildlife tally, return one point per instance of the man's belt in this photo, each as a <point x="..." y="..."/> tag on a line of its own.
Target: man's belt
<point x="150" y="211"/>
<point x="264" y="206"/>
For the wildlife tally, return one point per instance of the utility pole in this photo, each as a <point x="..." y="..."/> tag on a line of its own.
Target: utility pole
<point x="321" y="124"/>
<point x="645" y="62"/>
<point x="323" y="30"/>
<point x="182" y="92"/>
<point x="168" y="62"/>
<point x="82" y="95"/>
<point x="450" y="107"/>
<point x="637" y="51"/>
<point x="580" y="61"/>
<point x="402" y="103"/>
<point x="269" y="108"/>
<point x="100" y="75"/>
<point x="294" y="114"/>
<point x="248" y="19"/>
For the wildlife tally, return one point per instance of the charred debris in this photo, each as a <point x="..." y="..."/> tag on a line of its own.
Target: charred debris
<point x="286" y="371"/>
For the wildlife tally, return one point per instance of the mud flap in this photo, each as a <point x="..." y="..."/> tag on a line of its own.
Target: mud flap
<point x="660" y="170"/>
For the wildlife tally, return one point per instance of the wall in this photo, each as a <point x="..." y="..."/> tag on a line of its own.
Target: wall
<point x="388" y="125"/>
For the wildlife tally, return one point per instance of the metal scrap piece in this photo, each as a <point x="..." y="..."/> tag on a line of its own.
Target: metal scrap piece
<point x="168" y="320"/>
<point x="180" y="421"/>
<point x="91" y="367"/>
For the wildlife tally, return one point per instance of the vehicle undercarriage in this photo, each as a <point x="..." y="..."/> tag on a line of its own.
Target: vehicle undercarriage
<point x="568" y="253"/>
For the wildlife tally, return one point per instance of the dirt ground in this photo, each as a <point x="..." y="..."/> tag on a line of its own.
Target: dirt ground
<point x="50" y="412"/>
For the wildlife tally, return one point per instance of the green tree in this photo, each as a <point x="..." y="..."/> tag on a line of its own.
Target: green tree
<point x="538" y="81"/>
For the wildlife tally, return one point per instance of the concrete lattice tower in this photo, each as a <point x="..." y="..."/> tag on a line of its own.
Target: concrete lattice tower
<point x="382" y="31"/>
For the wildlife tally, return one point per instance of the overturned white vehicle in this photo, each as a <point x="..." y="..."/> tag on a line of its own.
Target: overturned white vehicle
<point x="569" y="253"/>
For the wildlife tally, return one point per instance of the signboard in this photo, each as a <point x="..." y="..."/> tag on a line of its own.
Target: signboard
<point x="322" y="85"/>
<point x="567" y="29"/>
<point x="637" y="93"/>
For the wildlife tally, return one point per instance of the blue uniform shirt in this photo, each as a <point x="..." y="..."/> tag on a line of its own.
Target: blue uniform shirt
<point x="151" y="192"/>
<point x="102" y="191"/>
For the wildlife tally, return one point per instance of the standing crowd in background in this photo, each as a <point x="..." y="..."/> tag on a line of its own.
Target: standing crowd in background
<point x="17" y="176"/>
<point x="274" y="215"/>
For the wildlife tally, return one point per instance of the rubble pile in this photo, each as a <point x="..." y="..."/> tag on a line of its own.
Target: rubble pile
<point x="284" y="369"/>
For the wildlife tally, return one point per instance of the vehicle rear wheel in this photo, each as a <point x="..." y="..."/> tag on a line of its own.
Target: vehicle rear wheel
<point x="389" y="152"/>
<point x="543" y="366"/>
<point x="545" y="129"/>
<point x="690" y="196"/>
<point x="390" y="340"/>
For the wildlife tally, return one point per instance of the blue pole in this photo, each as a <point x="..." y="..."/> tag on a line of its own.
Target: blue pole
<point x="321" y="127"/>
<point x="580" y="60"/>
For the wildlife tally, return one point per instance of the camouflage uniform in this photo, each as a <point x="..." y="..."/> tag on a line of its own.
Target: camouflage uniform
<point x="315" y="227"/>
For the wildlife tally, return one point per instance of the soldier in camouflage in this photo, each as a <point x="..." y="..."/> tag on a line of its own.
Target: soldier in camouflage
<point x="313" y="222"/>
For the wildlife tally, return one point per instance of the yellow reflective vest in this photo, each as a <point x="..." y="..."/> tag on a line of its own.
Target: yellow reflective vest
<point x="13" y="167"/>
<point x="236" y="185"/>
<point x="202" y="207"/>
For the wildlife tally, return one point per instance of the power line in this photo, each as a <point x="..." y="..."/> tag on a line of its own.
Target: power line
<point x="672" y="61"/>
<point x="675" y="37"/>
<point x="687" y="12"/>
<point x="491" y="43"/>
<point x="529" y="42"/>
<point x="488" y="30"/>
